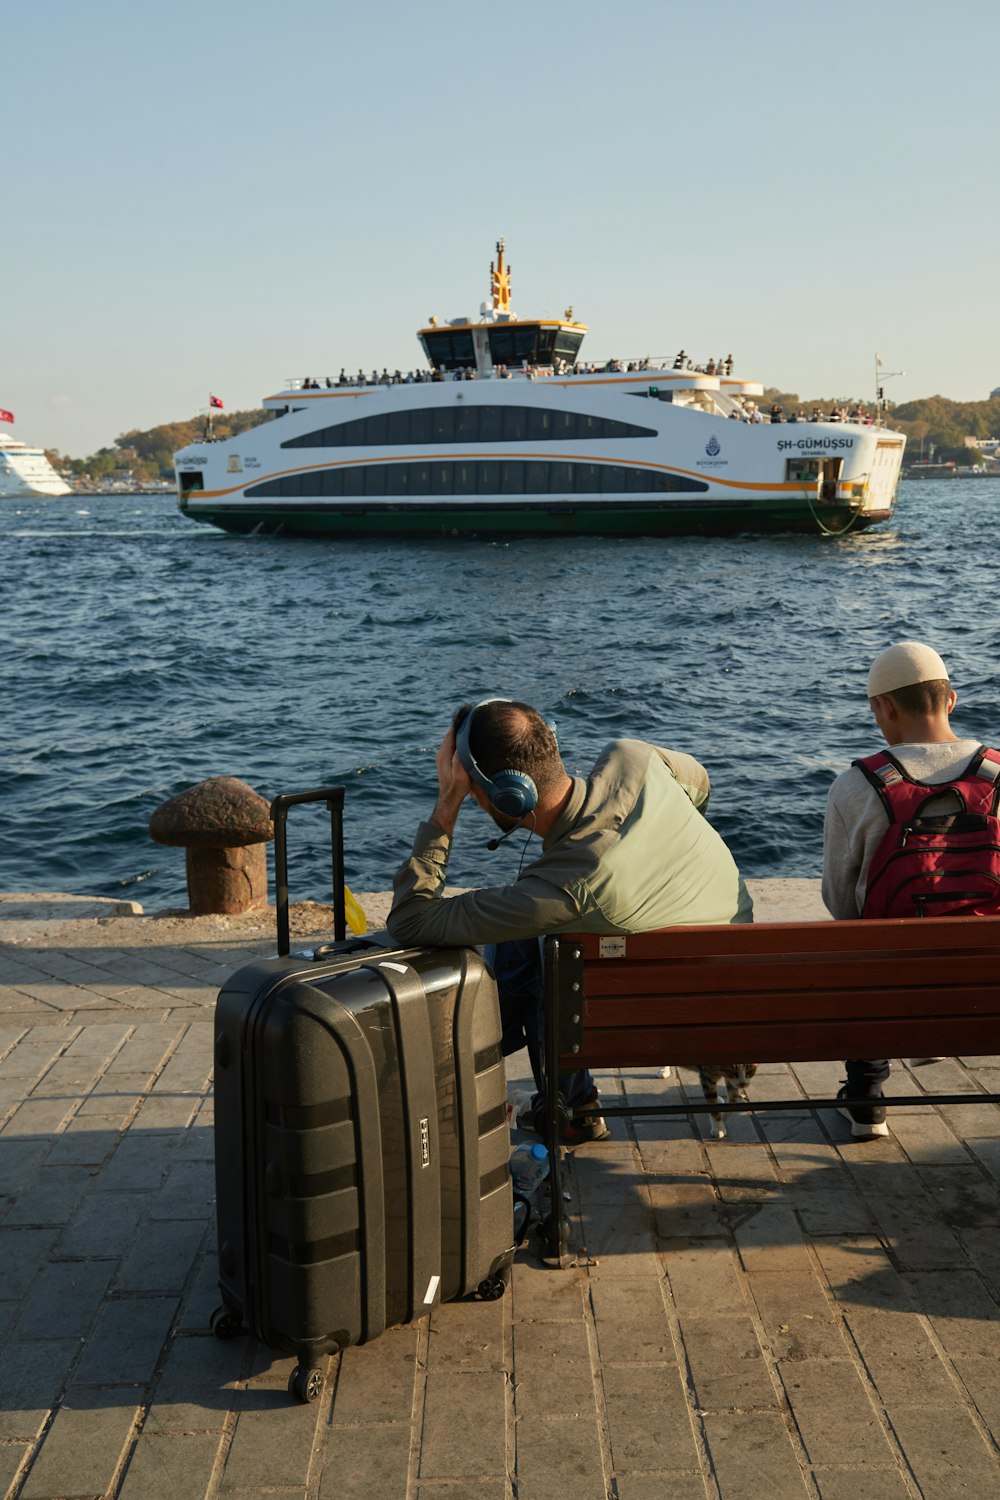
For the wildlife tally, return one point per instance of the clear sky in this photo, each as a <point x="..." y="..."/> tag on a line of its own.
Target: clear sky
<point x="215" y="195"/>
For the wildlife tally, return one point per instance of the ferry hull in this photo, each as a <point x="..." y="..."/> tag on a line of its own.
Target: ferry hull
<point x="626" y="518"/>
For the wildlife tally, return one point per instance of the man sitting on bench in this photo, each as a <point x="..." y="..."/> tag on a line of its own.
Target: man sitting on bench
<point x="879" y="859"/>
<point x="625" y="850"/>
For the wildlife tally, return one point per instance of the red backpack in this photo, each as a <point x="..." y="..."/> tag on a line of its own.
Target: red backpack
<point x="943" y="865"/>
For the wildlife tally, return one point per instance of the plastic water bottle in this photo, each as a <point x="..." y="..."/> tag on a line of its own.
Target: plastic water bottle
<point x="529" y="1167"/>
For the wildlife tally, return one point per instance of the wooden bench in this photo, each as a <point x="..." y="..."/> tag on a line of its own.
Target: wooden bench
<point x="768" y="992"/>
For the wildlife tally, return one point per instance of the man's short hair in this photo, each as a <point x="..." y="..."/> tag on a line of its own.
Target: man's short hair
<point x="922" y="697"/>
<point x="513" y="736"/>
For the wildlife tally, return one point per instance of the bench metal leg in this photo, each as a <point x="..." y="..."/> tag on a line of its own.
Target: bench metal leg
<point x="556" y="1226"/>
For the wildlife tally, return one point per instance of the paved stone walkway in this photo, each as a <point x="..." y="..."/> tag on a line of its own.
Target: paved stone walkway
<point x="782" y="1314"/>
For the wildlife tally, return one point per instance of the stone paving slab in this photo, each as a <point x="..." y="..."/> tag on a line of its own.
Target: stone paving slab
<point x="784" y="1313"/>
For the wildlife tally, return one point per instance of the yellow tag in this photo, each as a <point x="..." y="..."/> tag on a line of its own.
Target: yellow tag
<point x="356" y="919"/>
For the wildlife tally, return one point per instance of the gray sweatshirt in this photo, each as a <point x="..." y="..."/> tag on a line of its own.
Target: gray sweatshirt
<point x="629" y="853"/>
<point x="856" y="820"/>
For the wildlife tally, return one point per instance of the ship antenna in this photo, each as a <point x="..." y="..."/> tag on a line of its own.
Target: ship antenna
<point x="500" y="282"/>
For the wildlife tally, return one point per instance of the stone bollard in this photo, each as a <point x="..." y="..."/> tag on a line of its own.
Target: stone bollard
<point x="223" y="826"/>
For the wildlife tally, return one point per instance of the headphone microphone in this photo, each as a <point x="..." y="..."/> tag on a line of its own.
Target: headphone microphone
<point x="495" y="843"/>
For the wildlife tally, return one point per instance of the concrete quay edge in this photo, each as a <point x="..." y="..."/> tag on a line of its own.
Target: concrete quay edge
<point x="784" y="1313"/>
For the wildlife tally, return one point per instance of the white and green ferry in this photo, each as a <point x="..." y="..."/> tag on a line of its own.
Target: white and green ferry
<point x="509" y="433"/>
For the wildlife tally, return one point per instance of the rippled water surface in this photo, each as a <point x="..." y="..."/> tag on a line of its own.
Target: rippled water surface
<point x="143" y="653"/>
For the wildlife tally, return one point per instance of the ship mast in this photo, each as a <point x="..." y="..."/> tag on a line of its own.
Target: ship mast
<point x="500" y="282"/>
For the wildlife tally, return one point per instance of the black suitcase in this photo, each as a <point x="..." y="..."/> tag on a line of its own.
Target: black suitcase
<point x="361" y="1142"/>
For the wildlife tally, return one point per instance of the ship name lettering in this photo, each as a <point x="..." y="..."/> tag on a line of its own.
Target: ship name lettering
<point x="804" y="444"/>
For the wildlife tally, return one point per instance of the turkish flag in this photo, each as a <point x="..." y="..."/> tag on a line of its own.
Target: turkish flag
<point x="214" y="401"/>
<point x="6" y="416"/>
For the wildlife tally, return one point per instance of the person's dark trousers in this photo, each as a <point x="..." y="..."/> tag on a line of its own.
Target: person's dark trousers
<point x="517" y="964"/>
<point x="865" y="1077"/>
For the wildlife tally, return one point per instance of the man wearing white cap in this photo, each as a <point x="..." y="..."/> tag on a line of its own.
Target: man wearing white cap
<point x="911" y="697"/>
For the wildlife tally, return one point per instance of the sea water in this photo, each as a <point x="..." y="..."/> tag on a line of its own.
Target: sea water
<point x="143" y="653"/>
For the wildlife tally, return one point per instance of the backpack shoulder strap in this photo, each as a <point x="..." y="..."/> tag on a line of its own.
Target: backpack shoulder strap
<point x="883" y="770"/>
<point x="986" y="765"/>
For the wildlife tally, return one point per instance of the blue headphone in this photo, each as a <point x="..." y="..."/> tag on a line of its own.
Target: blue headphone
<point x="512" y="793"/>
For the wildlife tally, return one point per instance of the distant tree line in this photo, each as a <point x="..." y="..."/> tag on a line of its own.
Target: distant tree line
<point x="149" y="455"/>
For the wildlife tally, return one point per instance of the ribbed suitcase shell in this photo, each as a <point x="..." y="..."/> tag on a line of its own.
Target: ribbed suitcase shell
<point x="361" y="1141"/>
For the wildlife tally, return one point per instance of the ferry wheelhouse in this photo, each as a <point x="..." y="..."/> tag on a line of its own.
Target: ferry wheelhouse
<point x="509" y="433"/>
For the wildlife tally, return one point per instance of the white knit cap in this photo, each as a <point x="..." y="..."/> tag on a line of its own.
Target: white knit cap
<point x="903" y="665"/>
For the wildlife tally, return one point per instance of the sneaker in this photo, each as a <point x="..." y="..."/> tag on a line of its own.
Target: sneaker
<point x="580" y="1128"/>
<point x="867" y="1121"/>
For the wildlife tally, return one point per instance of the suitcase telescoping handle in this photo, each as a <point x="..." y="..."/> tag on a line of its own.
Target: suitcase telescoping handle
<point x="333" y="796"/>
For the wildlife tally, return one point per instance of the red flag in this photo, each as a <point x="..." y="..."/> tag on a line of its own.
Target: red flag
<point x="6" y="416"/>
<point x="214" y="401"/>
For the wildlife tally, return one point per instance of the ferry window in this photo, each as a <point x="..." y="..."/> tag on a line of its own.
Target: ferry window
<point x="462" y="350"/>
<point x="467" y="424"/>
<point x="448" y="349"/>
<point x="536" y="477"/>
<point x="545" y="345"/>
<point x="465" y="479"/>
<point x="802" y="470"/>
<point x="502" y="345"/>
<point x="375" y="479"/>
<point x="443" y="420"/>
<point x="539" y="425"/>
<point x="421" y="425"/>
<point x="489" y="478"/>
<point x="397" y="427"/>
<point x="524" y="345"/>
<point x="371" y="429"/>
<point x="512" y="477"/>
<point x="441" y="479"/>
<point x="560" y="479"/>
<point x="490" y="424"/>
<point x="354" y="481"/>
<point x="420" y="479"/>
<point x="191" y="479"/>
<point x="567" y="345"/>
<point x="587" y="479"/>
<point x="515" y="424"/>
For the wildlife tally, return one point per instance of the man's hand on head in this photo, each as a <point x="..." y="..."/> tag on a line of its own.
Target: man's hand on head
<point x="454" y="785"/>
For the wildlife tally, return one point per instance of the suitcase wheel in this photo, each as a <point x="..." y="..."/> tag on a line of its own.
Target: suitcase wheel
<point x="305" y="1382"/>
<point x="225" y="1324"/>
<point x="492" y="1288"/>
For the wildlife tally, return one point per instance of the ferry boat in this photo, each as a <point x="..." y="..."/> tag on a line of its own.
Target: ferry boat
<point x="509" y="433"/>
<point x="26" y="471"/>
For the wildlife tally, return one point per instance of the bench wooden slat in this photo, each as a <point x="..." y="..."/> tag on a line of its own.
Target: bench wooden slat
<point x="786" y="938"/>
<point x="620" y="1013"/>
<point x="760" y="975"/>
<point x="752" y="1041"/>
